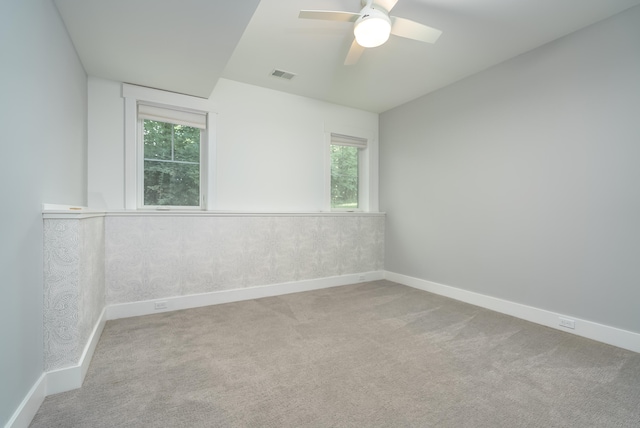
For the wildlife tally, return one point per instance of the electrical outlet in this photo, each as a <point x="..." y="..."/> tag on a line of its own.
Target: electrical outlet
<point x="567" y="323"/>
<point x="161" y="305"/>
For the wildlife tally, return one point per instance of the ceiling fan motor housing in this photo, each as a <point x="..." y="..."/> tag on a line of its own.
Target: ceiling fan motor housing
<point x="372" y="27"/>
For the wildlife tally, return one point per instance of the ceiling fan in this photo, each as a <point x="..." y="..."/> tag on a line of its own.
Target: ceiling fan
<point x="373" y="25"/>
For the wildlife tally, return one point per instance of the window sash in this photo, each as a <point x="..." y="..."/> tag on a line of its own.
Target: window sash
<point x="141" y="170"/>
<point x="348" y="177"/>
<point x="361" y="144"/>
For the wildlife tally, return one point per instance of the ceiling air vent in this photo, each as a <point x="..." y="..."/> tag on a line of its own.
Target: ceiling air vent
<point x="282" y="74"/>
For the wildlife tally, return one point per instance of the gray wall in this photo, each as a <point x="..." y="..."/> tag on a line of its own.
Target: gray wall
<point x="523" y="182"/>
<point x="43" y="133"/>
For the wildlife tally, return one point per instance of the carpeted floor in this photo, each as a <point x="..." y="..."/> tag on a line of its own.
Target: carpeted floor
<point x="375" y="354"/>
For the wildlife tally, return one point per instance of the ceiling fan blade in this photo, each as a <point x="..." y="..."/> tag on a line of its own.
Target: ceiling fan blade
<point x="386" y="4"/>
<point x="413" y="30"/>
<point x="329" y="15"/>
<point x="355" y="51"/>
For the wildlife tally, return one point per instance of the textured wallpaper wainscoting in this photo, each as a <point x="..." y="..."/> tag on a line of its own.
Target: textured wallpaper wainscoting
<point x="157" y="256"/>
<point x="74" y="288"/>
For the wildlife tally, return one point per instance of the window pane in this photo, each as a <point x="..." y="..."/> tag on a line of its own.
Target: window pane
<point x="344" y="176"/>
<point x="171" y="164"/>
<point x="170" y="183"/>
<point x="157" y="140"/>
<point x="186" y="142"/>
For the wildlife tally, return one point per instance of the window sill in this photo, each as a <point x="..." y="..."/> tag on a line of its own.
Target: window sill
<point x="76" y="212"/>
<point x="201" y="213"/>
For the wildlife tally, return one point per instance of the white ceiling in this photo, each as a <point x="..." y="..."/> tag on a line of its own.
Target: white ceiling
<point x="175" y="45"/>
<point x="187" y="45"/>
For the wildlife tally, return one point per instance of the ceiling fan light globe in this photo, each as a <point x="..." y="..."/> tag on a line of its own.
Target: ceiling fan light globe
<point x="372" y="31"/>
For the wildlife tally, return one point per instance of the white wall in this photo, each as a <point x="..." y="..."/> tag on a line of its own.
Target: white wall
<point x="105" y="152"/>
<point x="270" y="147"/>
<point x="43" y="120"/>
<point x="522" y="182"/>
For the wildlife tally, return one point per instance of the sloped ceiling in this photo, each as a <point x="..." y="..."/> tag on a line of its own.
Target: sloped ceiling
<point x="187" y="45"/>
<point x="176" y="45"/>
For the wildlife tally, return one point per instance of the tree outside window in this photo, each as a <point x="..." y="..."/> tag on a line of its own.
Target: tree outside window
<point x="171" y="164"/>
<point x="344" y="176"/>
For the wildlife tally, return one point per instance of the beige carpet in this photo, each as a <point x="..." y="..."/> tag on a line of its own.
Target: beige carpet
<point x="376" y="354"/>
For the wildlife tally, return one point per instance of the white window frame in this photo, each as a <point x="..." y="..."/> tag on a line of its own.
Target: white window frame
<point x="202" y="162"/>
<point x="367" y="168"/>
<point x="134" y="163"/>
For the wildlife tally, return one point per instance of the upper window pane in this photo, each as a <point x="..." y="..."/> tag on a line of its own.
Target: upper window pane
<point x="344" y="176"/>
<point x="157" y="140"/>
<point x="171" y="164"/>
<point x="186" y="143"/>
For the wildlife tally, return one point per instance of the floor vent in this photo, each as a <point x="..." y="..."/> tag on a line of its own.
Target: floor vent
<point x="283" y="74"/>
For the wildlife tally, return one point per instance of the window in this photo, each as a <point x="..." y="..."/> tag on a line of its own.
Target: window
<point x="171" y="154"/>
<point x="157" y="171"/>
<point x="347" y="166"/>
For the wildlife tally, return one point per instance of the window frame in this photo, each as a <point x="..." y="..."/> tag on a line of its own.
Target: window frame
<point x="134" y="145"/>
<point x="365" y="164"/>
<point x="141" y="159"/>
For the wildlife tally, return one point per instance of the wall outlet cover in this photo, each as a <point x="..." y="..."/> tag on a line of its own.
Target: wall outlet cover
<point x="567" y="323"/>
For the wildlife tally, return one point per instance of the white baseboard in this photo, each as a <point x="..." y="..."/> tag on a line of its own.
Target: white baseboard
<point x="55" y="381"/>
<point x="602" y="333"/>
<point x="25" y="412"/>
<point x="147" y="307"/>
<point x="68" y="378"/>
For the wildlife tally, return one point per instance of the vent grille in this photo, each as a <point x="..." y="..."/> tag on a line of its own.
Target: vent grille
<point x="283" y="74"/>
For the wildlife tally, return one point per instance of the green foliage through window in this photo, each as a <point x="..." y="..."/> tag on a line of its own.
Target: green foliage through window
<point x="344" y="176"/>
<point x="171" y="164"/>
